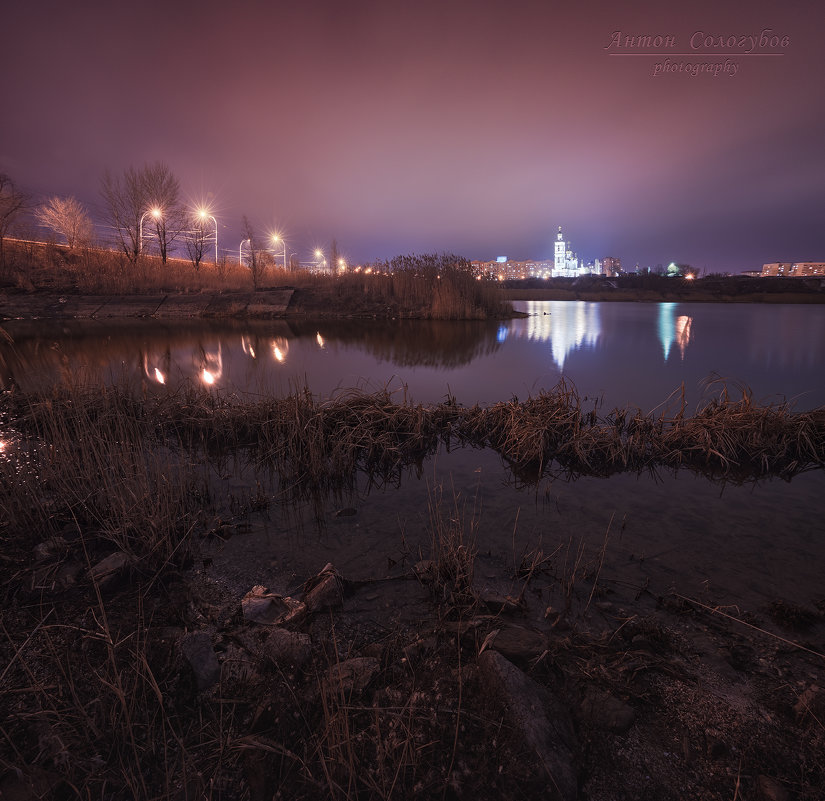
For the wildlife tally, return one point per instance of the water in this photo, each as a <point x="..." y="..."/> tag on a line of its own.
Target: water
<point x="741" y="545"/>
<point x="622" y="353"/>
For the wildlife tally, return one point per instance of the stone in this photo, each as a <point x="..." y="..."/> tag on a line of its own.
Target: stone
<point x="500" y="604"/>
<point x="324" y="591"/>
<point x="539" y="718"/>
<point x="351" y="675"/>
<point x="519" y="643"/>
<point x="768" y="789"/>
<point x="811" y="704"/>
<point x="426" y="571"/>
<point x="29" y="784"/>
<point x="107" y="570"/>
<point x="288" y="649"/>
<point x="605" y="711"/>
<point x="261" y="606"/>
<point x="197" y="648"/>
<point x="53" y="546"/>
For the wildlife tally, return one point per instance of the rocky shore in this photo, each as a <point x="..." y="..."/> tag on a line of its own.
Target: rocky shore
<point x="421" y="683"/>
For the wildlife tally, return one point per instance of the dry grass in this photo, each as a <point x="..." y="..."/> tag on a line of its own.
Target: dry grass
<point x="424" y="287"/>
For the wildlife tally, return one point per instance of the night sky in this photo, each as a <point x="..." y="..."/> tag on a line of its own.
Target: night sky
<point x="471" y="127"/>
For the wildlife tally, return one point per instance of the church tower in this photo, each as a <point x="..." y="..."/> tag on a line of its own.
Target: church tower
<point x="559" y="265"/>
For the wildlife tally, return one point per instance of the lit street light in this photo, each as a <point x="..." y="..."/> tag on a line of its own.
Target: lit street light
<point x="156" y="213"/>
<point x="240" y="250"/>
<point x="275" y="240"/>
<point x="321" y="262"/>
<point x="203" y="214"/>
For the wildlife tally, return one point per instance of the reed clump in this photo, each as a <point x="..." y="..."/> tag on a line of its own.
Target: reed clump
<point x="109" y="437"/>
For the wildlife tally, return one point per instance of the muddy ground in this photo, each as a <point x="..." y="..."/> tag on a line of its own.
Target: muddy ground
<point x="434" y="680"/>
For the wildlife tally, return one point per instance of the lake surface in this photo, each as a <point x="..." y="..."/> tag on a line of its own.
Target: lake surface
<point x="744" y="545"/>
<point x="623" y="353"/>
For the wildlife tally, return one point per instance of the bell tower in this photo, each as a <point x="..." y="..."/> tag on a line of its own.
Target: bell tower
<point x="559" y="266"/>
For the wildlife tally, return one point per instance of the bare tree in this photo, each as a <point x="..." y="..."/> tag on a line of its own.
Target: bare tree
<point x="162" y="192"/>
<point x="126" y="204"/>
<point x="197" y="239"/>
<point x="257" y="255"/>
<point x="12" y="204"/>
<point x="152" y="192"/>
<point x="67" y="217"/>
<point x="333" y="257"/>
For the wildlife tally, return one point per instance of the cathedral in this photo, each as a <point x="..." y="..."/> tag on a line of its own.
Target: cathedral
<point x="566" y="264"/>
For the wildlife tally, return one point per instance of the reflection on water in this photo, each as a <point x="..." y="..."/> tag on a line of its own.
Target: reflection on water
<point x="625" y="353"/>
<point x="673" y="329"/>
<point x="567" y="327"/>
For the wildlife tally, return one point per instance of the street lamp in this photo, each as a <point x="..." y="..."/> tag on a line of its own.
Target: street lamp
<point x="203" y="214"/>
<point x="240" y="250"/>
<point x="157" y="214"/>
<point x="275" y="240"/>
<point x="321" y="262"/>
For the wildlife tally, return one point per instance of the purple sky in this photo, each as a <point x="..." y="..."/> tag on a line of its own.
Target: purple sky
<point x="427" y="126"/>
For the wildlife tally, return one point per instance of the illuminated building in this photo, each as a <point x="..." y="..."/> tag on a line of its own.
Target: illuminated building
<point x="797" y="269"/>
<point x="611" y="266"/>
<point x="565" y="264"/>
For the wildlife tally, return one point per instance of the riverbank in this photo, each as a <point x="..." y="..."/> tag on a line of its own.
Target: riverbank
<point x="139" y="662"/>
<point x="657" y="289"/>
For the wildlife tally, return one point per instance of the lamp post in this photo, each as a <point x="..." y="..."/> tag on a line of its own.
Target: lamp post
<point x="275" y="240"/>
<point x="240" y="250"/>
<point x="320" y="260"/>
<point x="156" y="213"/>
<point x="203" y="214"/>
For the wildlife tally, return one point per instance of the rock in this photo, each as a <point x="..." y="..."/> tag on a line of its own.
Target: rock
<point x="29" y="784"/>
<point x="350" y="675"/>
<point x="107" y="570"/>
<point x="289" y="649"/>
<point x="261" y="606"/>
<point x="605" y="711"/>
<point x="768" y="789"/>
<point x="426" y="571"/>
<point x="239" y="666"/>
<point x="67" y="574"/>
<point x="811" y="704"/>
<point x="197" y="648"/>
<point x="324" y="591"/>
<point x="419" y="648"/>
<point x="519" y="643"/>
<point x="539" y="718"/>
<point x="500" y="604"/>
<point x="54" y="546"/>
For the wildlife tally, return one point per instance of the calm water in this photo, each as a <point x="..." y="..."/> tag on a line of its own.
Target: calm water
<point x="624" y="353"/>
<point x="736" y="544"/>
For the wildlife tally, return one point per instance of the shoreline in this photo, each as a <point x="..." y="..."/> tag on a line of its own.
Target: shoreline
<point x="288" y="302"/>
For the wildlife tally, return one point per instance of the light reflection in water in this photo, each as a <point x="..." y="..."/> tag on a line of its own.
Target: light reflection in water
<point x="247" y="346"/>
<point x="673" y="329"/>
<point x="157" y="367"/>
<point x="570" y="326"/>
<point x="280" y="349"/>
<point x="320" y="340"/>
<point x="209" y="365"/>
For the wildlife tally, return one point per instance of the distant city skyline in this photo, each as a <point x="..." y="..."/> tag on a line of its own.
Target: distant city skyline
<point x="433" y="127"/>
